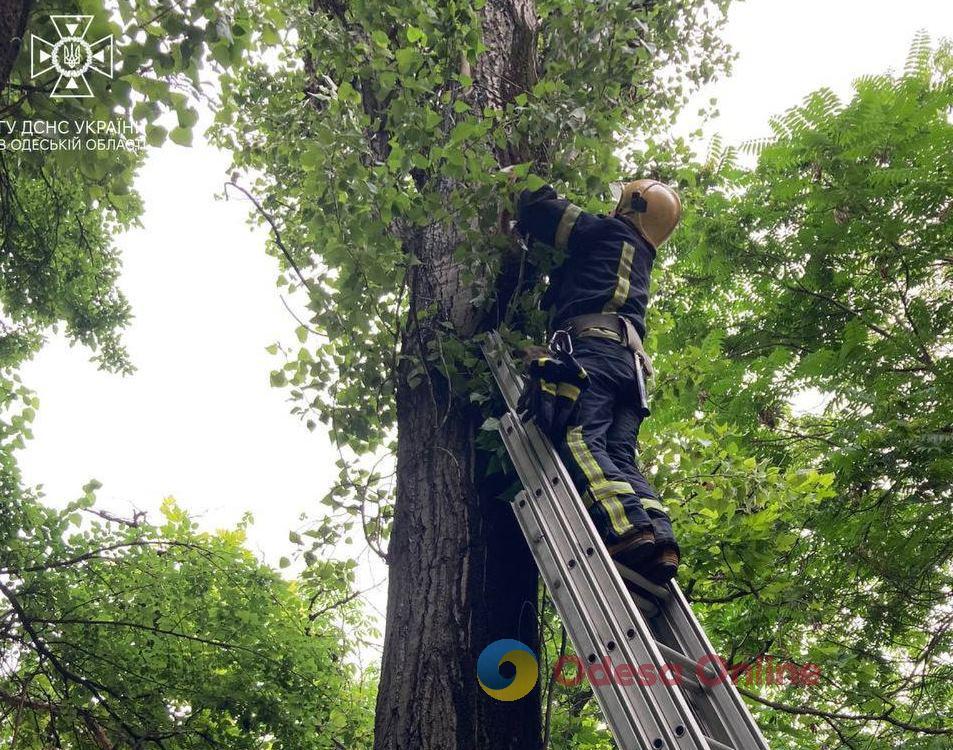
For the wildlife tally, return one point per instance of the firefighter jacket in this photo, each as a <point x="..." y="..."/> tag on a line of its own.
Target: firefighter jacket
<point x="608" y="263"/>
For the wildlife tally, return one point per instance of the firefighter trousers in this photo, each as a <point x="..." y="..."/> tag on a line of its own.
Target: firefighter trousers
<point x="600" y="448"/>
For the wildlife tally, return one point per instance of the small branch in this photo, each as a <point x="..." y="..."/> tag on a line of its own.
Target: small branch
<point x="300" y="322"/>
<point x="134" y="523"/>
<point x="97" y="554"/>
<point x="551" y="694"/>
<point x="833" y="715"/>
<point x="275" y="231"/>
<point x="312" y="616"/>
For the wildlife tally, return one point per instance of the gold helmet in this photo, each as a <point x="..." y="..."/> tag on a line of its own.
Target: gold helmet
<point x="653" y="207"/>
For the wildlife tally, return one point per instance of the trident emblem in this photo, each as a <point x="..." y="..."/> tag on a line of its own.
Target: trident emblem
<point x="71" y="56"/>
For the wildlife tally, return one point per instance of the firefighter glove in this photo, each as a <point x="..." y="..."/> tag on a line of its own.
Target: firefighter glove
<point x="550" y="397"/>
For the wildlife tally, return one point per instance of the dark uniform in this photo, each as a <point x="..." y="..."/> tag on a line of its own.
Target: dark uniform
<point x="607" y="270"/>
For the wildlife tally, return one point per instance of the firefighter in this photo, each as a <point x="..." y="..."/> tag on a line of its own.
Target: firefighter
<point x="597" y="301"/>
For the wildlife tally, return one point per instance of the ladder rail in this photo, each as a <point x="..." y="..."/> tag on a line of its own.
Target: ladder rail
<point x="741" y="727"/>
<point x="542" y="471"/>
<point x="598" y="608"/>
<point x="610" y="618"/>
<point x="626" y="727"/>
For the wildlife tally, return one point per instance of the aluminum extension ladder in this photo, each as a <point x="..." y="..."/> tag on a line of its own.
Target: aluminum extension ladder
<point x="606" y="621"/>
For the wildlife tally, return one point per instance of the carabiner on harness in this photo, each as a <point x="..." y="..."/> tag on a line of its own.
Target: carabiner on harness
<point x="560" y="342"/>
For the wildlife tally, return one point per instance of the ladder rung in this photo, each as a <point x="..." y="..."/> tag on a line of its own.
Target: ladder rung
<point x="691" y="683"/>
<point x="686" y="661"/>
<point x="643" y="583"/>
<point x="716" y="745"/>
<point x="676" y="656"/>
<point x="649" y="608"/>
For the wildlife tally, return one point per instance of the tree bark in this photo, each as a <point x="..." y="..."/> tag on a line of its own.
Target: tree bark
<point x="13" y="17"/>
<point x="461" y="575"/>
<point x="460" y="578"/>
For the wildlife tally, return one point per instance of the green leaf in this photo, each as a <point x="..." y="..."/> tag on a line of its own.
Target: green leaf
<point x="408" y="59"/>
<point x="181" y="136"/>
<point x="534" y="182"/>
<point x="156" y="135"/>
<point x="414" y="35"/>
<point x="187" y="117"/>
<point x="311" y="157"/>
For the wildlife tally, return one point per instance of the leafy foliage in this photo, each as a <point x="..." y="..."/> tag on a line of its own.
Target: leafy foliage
<point x="61" y="207"/>
<point x="369" y="134"/>
<point x="821" y="534"/>
<point x="122" y="634"/>
<point x="115" y="632"/>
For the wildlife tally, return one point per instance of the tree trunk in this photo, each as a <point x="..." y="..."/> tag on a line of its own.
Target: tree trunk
<point x="13" y="17"/>
<point x="460" y="578"/>
<point x="461" y="575"/>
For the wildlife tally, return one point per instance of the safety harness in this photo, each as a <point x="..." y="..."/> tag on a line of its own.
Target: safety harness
<point x="613" y="327"/>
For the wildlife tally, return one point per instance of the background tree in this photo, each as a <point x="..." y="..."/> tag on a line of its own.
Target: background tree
<point x="375" y="134"/>
<point x="825" y="270"/>
<point x="115" y="633"/>
<point x="119" y="634"/>
<point x="61" y="207"/>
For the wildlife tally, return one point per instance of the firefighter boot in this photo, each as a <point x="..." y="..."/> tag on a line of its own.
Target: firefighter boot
<point x="634" y="549"/>
<point x="664" y="563"/>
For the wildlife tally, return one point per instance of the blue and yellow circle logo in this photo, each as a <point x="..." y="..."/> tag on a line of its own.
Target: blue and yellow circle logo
<point x="523" y="660"/>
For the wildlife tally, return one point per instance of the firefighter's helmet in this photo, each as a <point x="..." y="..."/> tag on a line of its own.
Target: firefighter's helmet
<point x="653" y="207"/>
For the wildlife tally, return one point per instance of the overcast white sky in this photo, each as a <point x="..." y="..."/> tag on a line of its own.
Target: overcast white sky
<point x="199" y="420"/>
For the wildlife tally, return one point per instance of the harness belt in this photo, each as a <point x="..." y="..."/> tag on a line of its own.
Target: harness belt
<point x="616" y="328"/>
